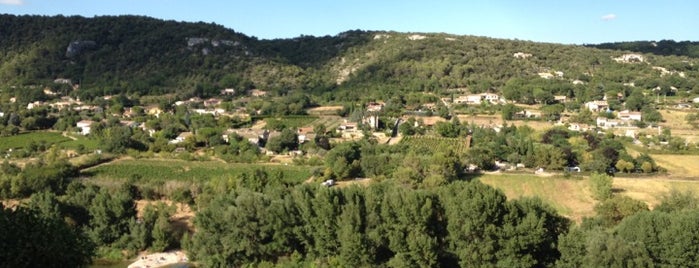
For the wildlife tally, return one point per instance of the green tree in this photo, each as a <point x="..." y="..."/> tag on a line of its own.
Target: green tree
<point x="601" y="186"/>
<point x="110" y="213"/>
<point x="31" y="240"/>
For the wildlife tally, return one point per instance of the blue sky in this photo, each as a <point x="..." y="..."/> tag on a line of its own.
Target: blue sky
<point x="561" y="21"/>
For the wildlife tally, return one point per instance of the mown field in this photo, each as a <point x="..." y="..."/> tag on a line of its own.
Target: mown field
<point x="152" y="170"/>
<point x="572" y="197"/>
<point x="679" y="166"/>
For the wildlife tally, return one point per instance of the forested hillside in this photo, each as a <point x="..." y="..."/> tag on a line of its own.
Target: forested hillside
<point x="662" y="47"/>
<point x="145" y="56"/>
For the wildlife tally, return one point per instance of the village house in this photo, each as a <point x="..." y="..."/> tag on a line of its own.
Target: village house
<point x="305" y="134"/>
<point x="371" y="120"/>
<point x="560" y="98"/>
<point x="258" y="93"/>
<point x="626" y="115"/>
<point x="597" y="106"/>
<point x="212" y="102"/>
<point x="35" y="104"/>
<point x="607" y="123"/>
<point x="478" y="98"/>
<point x="49" y="92"/>
<point x="62" y="81"/>
<point x="254" y="136"/>
<point x="182" y="137"/>
<point x="375" y="106"/>
<point x="146" y="129"/>
<point x="347" y="127"/>
<point x="154" y="110"/>
<point x="528" y="114"/>
<point x="84" y="126"/>
<point x="578" y="127"/>
<point x="228" y="92"/>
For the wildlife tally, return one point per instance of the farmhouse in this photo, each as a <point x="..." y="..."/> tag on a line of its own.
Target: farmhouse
<point x="84" y="126"/>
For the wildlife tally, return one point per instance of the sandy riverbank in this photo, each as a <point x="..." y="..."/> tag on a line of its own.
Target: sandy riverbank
<point x="159" y="259"/>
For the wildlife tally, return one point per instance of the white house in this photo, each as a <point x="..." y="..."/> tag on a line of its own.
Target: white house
<point x="228" y="91"/>
<point x="626" y="115"/>
<point x="182" y="137"/>
<point x="607" y="123"/>
<point x="84" y="126"/>
<point x="478" y="98"/>
<point x="375" y="106"/>
<point x="596" y="106"/>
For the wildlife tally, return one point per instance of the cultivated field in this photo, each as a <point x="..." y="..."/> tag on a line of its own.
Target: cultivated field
<point x="24" y="140"/>
<point x="47" y="138"/>
<point x="325" y="110"/>
<point x="193" y="171"/>
<point x="435" y="144"/>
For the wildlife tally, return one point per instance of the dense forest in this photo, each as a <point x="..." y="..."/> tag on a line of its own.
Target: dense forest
<point x="662" y="47"/>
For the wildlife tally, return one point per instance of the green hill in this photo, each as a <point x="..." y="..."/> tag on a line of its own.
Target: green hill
<point x="145" y="56"/>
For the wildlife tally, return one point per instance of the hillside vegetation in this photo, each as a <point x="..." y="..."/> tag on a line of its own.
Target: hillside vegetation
<point x="145" y="56"/>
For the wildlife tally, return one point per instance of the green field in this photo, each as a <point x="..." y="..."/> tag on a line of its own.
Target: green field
<point x="49" y="138"/>
<point x="435" y="144"/>
<point x="192" y="171"/>
<point x="25" y="139"/>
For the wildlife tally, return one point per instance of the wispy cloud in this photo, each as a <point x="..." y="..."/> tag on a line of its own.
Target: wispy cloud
<point x="609" y="17"/>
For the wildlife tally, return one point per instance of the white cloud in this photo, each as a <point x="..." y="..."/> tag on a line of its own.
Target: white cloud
<point x="609" y="17"/>
<point x="12" y="2"/>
